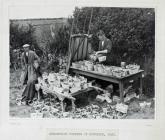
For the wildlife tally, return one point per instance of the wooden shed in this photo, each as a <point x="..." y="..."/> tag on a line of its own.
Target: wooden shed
<point x="79" y="48"/>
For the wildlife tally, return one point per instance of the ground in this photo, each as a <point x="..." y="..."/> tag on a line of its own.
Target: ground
<point x="24" y="111"/>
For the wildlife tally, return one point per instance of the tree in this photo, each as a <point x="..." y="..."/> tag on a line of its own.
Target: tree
<point x="131" y="30"/>
<point x="20" y="35"/>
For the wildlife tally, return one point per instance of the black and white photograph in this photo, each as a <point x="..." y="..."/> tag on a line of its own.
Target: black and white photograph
<point x="95" y="63"/>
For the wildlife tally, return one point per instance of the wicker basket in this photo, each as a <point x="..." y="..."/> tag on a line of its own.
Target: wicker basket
<point x="90" y="67"/>
<point x="100" y="69"/>
<point x="76" y="65"/>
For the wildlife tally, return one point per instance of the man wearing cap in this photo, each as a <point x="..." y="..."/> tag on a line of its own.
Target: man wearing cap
<point x="30" y="66"/>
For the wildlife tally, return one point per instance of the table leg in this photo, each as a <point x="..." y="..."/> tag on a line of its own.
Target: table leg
<point x="38" y="95"/>
<point x="140" y="89"/>
<point x="121" y="90"/>
<point x="62" y="106"/>
<point x="73" y="106"/>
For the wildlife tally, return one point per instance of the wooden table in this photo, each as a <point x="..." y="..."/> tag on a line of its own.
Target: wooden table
<point x="71" y="96"/>
<point x="118" y="80"/>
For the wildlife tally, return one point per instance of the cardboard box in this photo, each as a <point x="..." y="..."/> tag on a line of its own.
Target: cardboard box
<point x="122" y="108"/>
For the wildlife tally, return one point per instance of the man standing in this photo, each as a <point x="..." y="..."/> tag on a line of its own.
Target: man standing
<point x="105" y="46"/>
<point x="30" y="66"/>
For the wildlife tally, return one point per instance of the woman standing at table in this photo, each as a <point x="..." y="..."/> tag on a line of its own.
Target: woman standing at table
<point x="105" y="46"/>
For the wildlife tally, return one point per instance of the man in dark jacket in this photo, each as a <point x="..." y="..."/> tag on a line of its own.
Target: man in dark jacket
<point x="30" y="73"/>
<point x="105" y="46"/>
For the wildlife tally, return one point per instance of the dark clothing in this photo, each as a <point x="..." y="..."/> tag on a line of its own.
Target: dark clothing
<point x="107" y="45"/>
<point x="30" y="75"/>
<point x="26" y="58"/>
<point x="29" y="91"/>
<point x="29" y="72"/>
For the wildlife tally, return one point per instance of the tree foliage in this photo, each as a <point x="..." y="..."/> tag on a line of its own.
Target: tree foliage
<point x="40" y="38"/>
<point x="20" y="35"/>
<point x="61" y="41"/>
<point x="131" y="30"/>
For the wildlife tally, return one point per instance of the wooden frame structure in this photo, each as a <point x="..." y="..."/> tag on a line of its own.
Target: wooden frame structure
<point x="79" y="48"/>
<point x="75" y="54"/>
<point x="118" y="80"/>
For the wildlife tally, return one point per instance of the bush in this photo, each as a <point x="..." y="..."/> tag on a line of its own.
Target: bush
<point x="131" y="30"/>
<point x="20" y="35"/>
<point x="61" y="41"/>
<point x="43" y="43"/>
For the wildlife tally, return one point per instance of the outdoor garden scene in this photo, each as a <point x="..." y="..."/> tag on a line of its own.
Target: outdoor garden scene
<point x="98" y="63"/>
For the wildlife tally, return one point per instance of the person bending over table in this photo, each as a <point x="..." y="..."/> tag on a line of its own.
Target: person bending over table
<point x="105" y="46"/>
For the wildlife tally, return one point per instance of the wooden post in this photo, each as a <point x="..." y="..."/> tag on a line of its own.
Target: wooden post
<point x="73" y="106"/>
<point x="89" y="27"/>
<point x="38" y="95"/>
<point x="62" y="106"/>
<point x="121" y="90"/>
<point x="69" y="52"/>
<point x="141" y="86"/>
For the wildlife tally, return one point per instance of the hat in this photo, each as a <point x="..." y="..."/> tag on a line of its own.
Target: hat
<point x="26" y="45"/>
